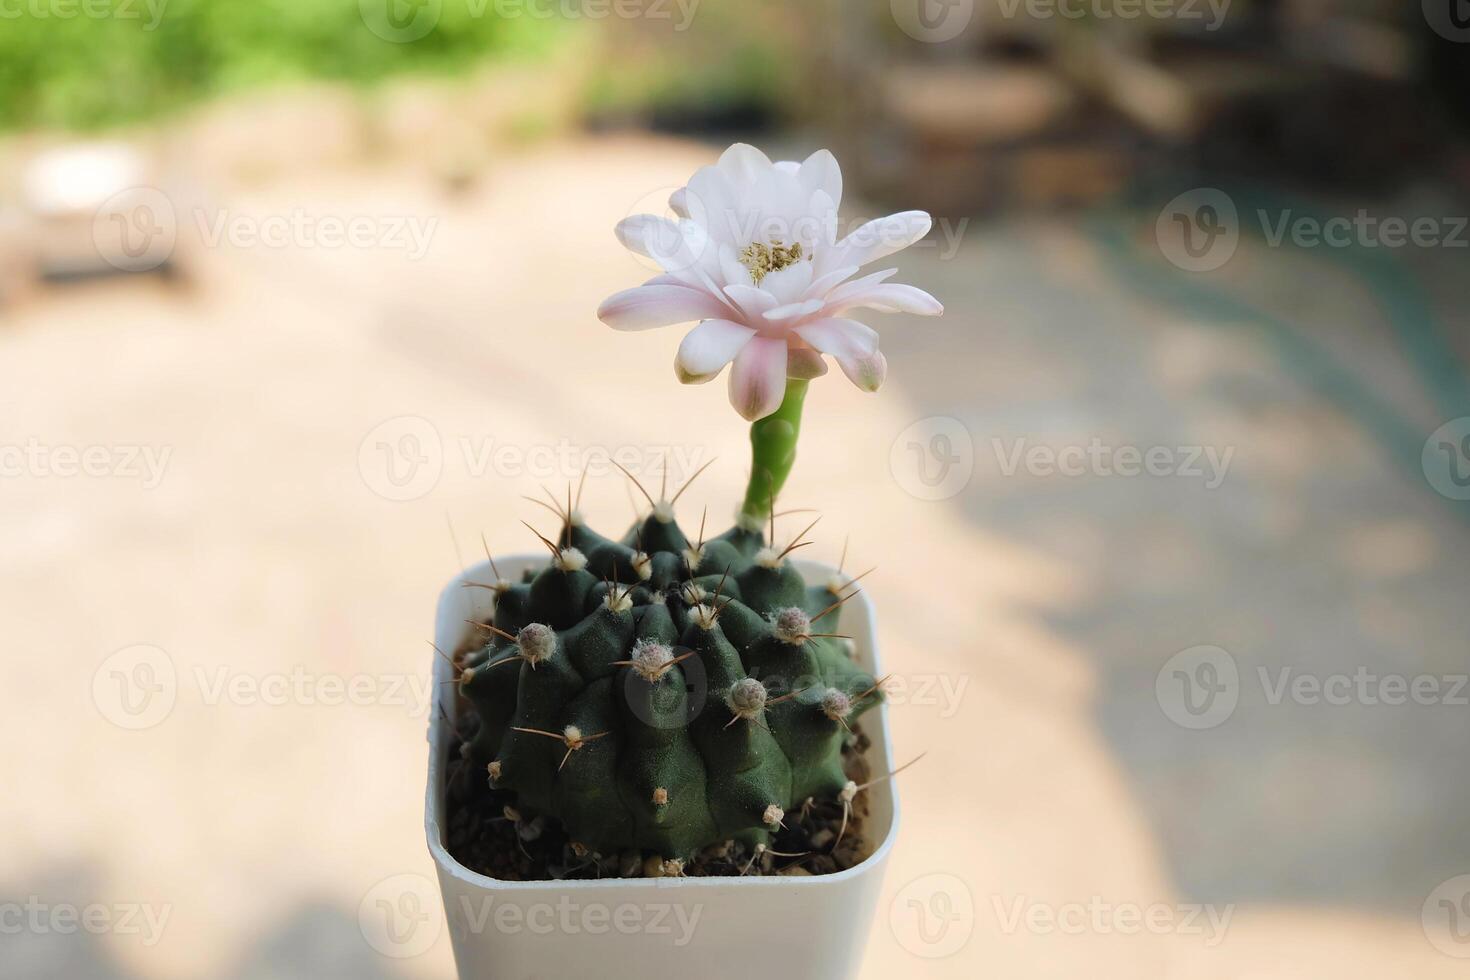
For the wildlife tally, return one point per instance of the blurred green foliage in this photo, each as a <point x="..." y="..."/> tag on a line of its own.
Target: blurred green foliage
<point x="739" y="60"/>
<point x="746" y="78"/>
<point x="88" y="64"/>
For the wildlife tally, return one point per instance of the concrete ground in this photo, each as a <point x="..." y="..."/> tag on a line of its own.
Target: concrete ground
<point x="343" y="423"/>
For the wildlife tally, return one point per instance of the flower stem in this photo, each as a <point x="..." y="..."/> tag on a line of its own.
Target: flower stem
<point x="773" y="451"/>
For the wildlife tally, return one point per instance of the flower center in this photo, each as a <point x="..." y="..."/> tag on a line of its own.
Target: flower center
<point x="762" y="259"/>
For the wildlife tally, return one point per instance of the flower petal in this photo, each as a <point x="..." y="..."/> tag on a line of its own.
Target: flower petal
<point x="713" y="201"/>
<point x="818" y="230"/>
<point x="867" y="372"/>
<point x="842" y="292"/>
<point x="707" y="348"/>
<point x="804" y="364"/>
<point x="648" y="234"/>
<point x="879" y="238"/>
<point x="730" y="268"/>
<point x="791" y="311"/>
<point x="820" y="172"/>
<point x="679" y="202"/>
<point x="659" y="305"/>
<point x="758" y="379"/>
<point x="752" y="300"/>
<point x="840" y="338"/>
<point x="789" y="283"/>
<point x="743" y="163"/>
<point x="823" y="285"/>
<point x="693" y="251"/>
<point x="677" y="246"/>
<point x="893" y="297"/>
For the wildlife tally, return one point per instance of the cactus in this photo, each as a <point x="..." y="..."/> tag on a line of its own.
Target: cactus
<point x="665" y="694"/>
<point x="660" y="694"/>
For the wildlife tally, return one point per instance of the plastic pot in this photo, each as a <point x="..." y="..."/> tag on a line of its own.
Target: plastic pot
<point x="715" y="928"/>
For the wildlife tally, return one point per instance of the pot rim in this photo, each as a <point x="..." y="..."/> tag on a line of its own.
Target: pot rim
<point x="880" y="754"/>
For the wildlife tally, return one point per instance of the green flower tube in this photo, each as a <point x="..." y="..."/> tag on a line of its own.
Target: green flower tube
<point x="773" y="453"/>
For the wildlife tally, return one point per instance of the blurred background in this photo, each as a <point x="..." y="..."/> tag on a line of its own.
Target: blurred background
<point x="1171" y="510"/>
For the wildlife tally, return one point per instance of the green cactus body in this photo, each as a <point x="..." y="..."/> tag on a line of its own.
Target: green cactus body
<point x="659" y="694"/>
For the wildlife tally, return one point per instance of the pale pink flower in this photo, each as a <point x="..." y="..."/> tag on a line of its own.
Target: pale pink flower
<point x="754" y="257"/>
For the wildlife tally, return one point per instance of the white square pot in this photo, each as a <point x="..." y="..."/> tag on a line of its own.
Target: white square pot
<point x="727" y="928"/>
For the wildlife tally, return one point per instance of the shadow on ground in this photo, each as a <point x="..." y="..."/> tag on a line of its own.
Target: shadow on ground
<point x="43" y="938"/>
<point x="1314" y="550"/>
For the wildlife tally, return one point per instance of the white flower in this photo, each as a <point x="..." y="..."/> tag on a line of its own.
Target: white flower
<point x="754" y="257"/>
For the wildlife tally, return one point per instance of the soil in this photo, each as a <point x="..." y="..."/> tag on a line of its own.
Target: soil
<point x="487" y="834"/>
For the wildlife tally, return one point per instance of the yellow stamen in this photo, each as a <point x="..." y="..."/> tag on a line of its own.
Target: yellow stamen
<point x="762" y="259"/>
